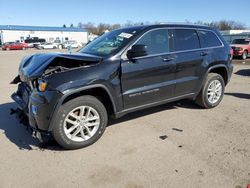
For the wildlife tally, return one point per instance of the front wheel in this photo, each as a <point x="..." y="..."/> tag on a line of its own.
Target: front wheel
<point x="212" y="91"/>
<point x="80" y="122"/>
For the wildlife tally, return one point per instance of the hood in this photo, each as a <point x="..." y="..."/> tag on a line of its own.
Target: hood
<point x="34" y="66"/>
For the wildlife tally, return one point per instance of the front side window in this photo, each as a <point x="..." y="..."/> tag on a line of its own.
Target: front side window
<point x="157" y="41"/>
<point x="185" y="39"/>
<point x="208" y="39"/>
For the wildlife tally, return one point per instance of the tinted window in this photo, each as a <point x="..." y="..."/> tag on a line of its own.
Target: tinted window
<point x="208" y="39"/>
<point x="185" y="39"/>
<point x="156" y="41"/>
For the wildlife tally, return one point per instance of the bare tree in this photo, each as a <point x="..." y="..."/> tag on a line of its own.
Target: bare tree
<point x="102" y="27"/>
<point x="80" y="25"/>
<point x="223" y="24"/>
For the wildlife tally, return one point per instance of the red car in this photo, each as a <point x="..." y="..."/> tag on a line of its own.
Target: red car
<point x="241" y="47"/>
<point x="14" y="46"/>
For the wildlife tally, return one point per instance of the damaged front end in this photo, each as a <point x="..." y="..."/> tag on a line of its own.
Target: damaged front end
<point x="38" y="94"/>
<point x="21" y="97"/>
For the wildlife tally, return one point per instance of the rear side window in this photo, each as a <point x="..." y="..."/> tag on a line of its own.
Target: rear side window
<point x="208" y="39"/>
<point x="186" y="39"/>
<point x="157" y="41"/>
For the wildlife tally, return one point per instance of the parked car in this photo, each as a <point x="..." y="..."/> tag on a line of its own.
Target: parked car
<point x="58" y="43"/>
<point x="71" y="43"/>
<point x="14" y="46"/>
<point x="241" y="47"/>
<point x="34" y="41"/>
<point x="71" y="96"/>
<point x="47" y="46"/>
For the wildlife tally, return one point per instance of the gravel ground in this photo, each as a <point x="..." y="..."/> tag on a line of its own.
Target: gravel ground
<point x="173" y="145"/>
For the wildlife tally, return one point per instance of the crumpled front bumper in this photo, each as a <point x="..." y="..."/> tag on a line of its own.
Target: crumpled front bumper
<point x="37" y="106"/>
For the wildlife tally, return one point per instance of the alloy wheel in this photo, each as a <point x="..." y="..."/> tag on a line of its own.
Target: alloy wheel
<point x="214" y="91"/>
<point x="81" y="123"/>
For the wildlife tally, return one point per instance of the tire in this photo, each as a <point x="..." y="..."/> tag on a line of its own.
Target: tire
<point x="203" y="98"/>
<point x="94" y="108"/>
<point x="244" y="55"/>
<point x="8" y="49"/>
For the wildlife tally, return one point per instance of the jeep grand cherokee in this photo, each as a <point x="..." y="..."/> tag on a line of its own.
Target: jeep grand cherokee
<point x="71" y="96"/>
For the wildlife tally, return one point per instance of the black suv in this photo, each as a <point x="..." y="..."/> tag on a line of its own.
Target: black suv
<point x="71" y="96"/>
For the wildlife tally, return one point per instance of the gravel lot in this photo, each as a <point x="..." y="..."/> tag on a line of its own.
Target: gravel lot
<point x="202" y="148"/>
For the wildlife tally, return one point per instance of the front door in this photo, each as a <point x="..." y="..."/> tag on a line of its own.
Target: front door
<point x="150" y="78"/>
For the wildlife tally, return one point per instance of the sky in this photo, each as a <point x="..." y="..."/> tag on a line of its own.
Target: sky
<point x="59" y="12"/>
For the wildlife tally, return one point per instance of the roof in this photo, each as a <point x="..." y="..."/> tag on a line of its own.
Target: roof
<point x="184" y="25"/>
<point x="41" y="28"/>
<point x="170" y="25"/>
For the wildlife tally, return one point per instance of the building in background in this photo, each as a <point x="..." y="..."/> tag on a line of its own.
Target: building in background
<point x="230" y="35"/>
<point x="12" y="33"/>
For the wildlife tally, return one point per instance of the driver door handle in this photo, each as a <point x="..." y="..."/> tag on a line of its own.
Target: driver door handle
<point x="167" y="59"/>
<point x="204" y="53"/>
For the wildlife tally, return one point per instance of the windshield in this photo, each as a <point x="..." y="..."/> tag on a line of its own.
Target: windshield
<point x="240" y="41"/>
<point x="110" y="42"/>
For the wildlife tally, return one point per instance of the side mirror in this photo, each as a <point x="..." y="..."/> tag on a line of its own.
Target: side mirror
<point x="137" y="50"/>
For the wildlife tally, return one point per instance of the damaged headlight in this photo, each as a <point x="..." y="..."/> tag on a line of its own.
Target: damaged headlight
<point x="42" y="85"/>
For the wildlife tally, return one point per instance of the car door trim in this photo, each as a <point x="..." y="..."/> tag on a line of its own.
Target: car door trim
<point x="141" y="107"/>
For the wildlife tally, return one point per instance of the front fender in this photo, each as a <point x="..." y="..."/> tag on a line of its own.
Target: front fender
<point x="73" y="91"/>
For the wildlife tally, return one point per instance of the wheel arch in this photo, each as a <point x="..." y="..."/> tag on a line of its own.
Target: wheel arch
<point x="99" y="91"/>
<point x="221" y="70"/>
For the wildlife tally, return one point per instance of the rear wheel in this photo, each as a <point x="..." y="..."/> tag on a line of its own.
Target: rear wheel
<point x="212" y="91"/>
<point x="244" y="55"/>
<point x="80" y="122"/>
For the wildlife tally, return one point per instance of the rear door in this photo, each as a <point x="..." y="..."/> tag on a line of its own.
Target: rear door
<point x="189" y="59"/>
<point x="150" y="78"/>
